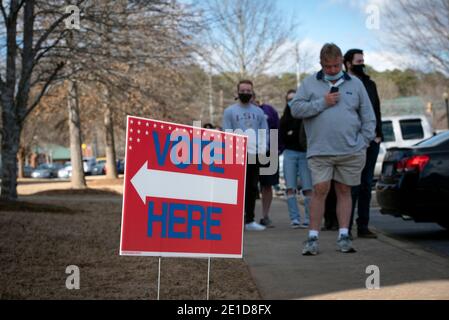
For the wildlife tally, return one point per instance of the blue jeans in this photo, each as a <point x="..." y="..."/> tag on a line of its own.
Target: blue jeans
<point x="361" y="195"/>
<point x="295" y="164"/>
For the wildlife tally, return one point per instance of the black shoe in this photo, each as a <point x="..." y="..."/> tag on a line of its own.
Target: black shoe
<point x="266" y="222"/>
<point x="367" y="234"/>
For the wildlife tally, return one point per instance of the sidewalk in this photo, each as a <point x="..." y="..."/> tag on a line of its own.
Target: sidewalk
<point x="281" y="272"/>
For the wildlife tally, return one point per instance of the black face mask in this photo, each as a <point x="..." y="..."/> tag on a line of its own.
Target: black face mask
<point x="245" y="97"/>
<point x="358" y="70"/>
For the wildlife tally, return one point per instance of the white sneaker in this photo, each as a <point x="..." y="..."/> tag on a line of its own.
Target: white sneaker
<point x="254" y="226"/>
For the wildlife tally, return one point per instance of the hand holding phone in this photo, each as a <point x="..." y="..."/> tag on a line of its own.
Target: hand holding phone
<point x="332" y="97"/>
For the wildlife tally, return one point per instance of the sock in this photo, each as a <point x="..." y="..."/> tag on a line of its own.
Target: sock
<point x="313" y="233"/>
<point x="343" y="232"/>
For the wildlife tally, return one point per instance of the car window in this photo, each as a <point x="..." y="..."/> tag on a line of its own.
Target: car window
<point x="411" y="129"/>
<point x="435" y="140"/>
<point x="387" y="129"/>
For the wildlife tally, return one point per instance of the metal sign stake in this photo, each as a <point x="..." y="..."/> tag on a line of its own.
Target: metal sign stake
<point x="159" y="279"/>
<point x="208" y="277"/>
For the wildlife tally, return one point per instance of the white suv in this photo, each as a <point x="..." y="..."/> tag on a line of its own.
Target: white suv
<point x="88" y="166"/>
<point x="402" y="131"/>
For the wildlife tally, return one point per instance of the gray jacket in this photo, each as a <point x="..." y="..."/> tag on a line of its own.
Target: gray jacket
<point x="345" y="128"/>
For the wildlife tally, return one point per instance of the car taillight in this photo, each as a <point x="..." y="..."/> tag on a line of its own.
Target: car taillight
<point x="412" y="163"/>
<point x="400" y="165"/>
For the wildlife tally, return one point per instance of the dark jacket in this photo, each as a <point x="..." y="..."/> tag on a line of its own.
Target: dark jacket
<point x="371" y="89"/>
<point x="291" y="132"/>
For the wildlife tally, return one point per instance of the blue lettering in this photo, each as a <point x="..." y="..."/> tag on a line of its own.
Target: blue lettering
<point x="157" y="218"/>
<point x="212" y="223"/>
<point x="186" y="147"/>
<point x="175" y="150"/>
<point x="195" y="223"/>
<point x="161" y="157"/>
<point x="168" y="220"/>
<point x="217" y="156"/>
<point x="176" y="220"/>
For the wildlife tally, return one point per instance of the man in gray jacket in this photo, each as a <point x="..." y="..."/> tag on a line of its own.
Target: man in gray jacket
<point x="340" y="124"/>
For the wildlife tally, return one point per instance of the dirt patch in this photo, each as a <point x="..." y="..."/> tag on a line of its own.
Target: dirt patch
<point x="105" y="182"/>
<point x="88" y="191"/>
<point x="37" y="247"/>
<point x="38" y="186"/>
<point x="21" y="206"/>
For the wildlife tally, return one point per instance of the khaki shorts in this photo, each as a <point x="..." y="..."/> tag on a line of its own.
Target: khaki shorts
<point x="346" y="169"/>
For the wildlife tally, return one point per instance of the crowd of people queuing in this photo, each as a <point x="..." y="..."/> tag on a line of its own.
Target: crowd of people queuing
<point x="329" y="135"/>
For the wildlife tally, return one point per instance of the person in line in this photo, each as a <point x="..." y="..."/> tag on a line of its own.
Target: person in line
<point x="293" y="137"/>
<point x="267" y="182"/>
<point x="361" y="195"/>
<point x="339" y="122"/>
<point x="246" y="116"/>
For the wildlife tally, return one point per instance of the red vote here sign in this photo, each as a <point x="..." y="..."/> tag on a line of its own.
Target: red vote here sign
<point x="183" y="191"/>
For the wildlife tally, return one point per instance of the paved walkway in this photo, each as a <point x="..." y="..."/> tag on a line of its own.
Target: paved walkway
<point x="281" y="272"/>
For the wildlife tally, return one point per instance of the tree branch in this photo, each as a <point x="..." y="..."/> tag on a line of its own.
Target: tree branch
<point x="43" y="90"/>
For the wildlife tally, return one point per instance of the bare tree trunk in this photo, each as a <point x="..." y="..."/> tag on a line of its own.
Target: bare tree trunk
<point x="21" y="162"/>
<point x="10" y="146"/>
<point x="11" y="125"/>
<point x="111" y="168"/>
<point x="76" y="158"/>
<point x="15" y="88"/>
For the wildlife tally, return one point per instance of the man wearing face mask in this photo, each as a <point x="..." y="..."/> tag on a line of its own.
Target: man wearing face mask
<point x="247" y="117"/>
<point x="361" y="195"/>
<point x="339" y="122"/>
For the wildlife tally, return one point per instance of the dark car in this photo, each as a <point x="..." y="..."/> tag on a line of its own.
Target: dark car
<point x="27" y="170"/>
<point x="121" y="166"/>
<point x="415" y="181"/>
<point x="99" y="168"/>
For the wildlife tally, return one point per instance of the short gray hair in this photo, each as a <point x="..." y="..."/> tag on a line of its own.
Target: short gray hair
<point x="330" y="51"/>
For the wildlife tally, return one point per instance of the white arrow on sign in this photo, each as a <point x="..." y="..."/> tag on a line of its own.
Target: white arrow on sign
<point x="183" y="186"/>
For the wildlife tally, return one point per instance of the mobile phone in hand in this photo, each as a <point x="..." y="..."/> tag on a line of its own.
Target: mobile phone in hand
<point x="334" y="89"/>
